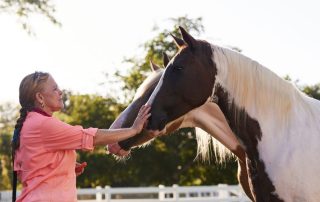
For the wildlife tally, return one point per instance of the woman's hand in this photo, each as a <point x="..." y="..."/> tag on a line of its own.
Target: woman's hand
<point x="80" y="168"/>
<point x="141" y="118"/>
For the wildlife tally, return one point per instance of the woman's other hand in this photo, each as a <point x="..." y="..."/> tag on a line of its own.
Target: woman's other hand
<point x="80" y="168"/>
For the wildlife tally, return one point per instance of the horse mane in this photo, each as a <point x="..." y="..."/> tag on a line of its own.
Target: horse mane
<point x="259" y="91"/>
<point x="208" y="147"/>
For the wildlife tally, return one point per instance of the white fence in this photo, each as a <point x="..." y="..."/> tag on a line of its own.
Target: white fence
<point x="221" y="193"/>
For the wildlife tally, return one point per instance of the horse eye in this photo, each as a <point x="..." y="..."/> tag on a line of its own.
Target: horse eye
<point x="179" y="68"/>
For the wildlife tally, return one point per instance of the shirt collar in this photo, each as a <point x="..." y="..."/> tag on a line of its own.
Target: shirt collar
<point x="40" y="111"/>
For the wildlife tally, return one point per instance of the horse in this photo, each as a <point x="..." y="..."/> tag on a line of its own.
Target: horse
<point x="276" y="123"/>
<point x="211" y="123"/>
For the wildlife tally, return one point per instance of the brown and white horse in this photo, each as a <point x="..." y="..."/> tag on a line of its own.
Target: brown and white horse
<point x="207" y="117"/>
<point x="276" y="123"/>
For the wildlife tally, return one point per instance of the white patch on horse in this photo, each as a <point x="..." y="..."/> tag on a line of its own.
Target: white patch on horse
<point x="149" y="81"/>
<point x="289" y="122"/>
<point x="155" y="91"/>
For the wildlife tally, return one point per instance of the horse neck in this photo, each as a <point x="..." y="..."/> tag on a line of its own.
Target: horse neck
<point x="254" y="88"/>
<point x="243" y="126"/>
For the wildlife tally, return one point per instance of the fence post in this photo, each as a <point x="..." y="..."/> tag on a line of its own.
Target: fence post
<point x="98" y="193"/>
<point x="223" y="193"/>
<point x="175" y="192"/>
<point x="107" y="193"/>
<point x="161" y="194"/>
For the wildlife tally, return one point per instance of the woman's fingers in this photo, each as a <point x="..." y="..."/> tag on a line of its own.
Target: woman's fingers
<point x="113" y="148"/>
<point x="141" y="118"/>
<point x="145" y="118"/>
<point x="144" y="110"/>
<point x="145" y="113"/>
<point x="80" y="168"/>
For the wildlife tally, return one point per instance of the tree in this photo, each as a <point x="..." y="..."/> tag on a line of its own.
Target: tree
<point x="24" y="8"/>
<point x="312" y="91"/>
<point x="8" y="115"/>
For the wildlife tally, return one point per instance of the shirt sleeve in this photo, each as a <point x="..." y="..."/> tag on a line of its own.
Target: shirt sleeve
<point x="57" y="135"/>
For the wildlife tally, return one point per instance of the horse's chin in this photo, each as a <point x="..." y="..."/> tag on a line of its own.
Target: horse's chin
<point x="117" y="150"/>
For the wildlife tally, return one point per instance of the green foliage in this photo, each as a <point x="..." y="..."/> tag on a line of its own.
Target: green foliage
<point x="8" y="115"/>
<point x="312" y="91"/>
<point x="5" y="161"/>
<point x="92" y="110"/>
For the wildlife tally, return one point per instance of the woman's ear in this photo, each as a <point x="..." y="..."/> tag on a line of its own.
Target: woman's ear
<point x="39" y="98"/>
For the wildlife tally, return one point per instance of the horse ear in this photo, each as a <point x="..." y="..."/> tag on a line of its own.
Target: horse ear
<point x="188" y="38"/>
<point x="179" y="42"/>
<point x="166" y="59"/>
<point x="153" y="66"/>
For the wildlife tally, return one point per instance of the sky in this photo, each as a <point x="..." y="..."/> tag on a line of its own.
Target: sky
<point x="96" y="35"/>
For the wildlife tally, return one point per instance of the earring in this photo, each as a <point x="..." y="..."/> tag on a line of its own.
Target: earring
<point x="42" y="105"/>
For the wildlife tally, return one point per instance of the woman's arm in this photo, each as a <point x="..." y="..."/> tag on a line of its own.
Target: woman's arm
<point x="109" y="136"/>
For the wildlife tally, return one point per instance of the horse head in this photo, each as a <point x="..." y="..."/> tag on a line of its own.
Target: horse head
<point x="187" y="82"/>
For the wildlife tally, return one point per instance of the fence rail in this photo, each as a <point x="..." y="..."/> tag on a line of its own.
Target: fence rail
<point x="221" y="193"/>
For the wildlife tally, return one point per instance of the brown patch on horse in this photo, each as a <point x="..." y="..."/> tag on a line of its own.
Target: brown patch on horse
<point x="174" y="125"/>
<point x="248" y="131"/>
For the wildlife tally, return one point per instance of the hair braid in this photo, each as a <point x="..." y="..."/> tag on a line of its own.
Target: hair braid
<point x="29" y="86"/>
<point x="18" y="127"/>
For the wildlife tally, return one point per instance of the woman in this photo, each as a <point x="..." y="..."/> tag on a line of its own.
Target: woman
<point x="44" y="147"/>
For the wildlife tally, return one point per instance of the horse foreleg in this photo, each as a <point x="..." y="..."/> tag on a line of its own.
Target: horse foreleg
<point x="243" y="178"/>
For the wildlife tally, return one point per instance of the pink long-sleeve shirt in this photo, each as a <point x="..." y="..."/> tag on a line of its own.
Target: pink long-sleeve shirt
<point x="46" y="159"/>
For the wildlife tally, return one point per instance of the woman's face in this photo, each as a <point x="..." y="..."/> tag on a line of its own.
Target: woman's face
<point x="52" y="96"/>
